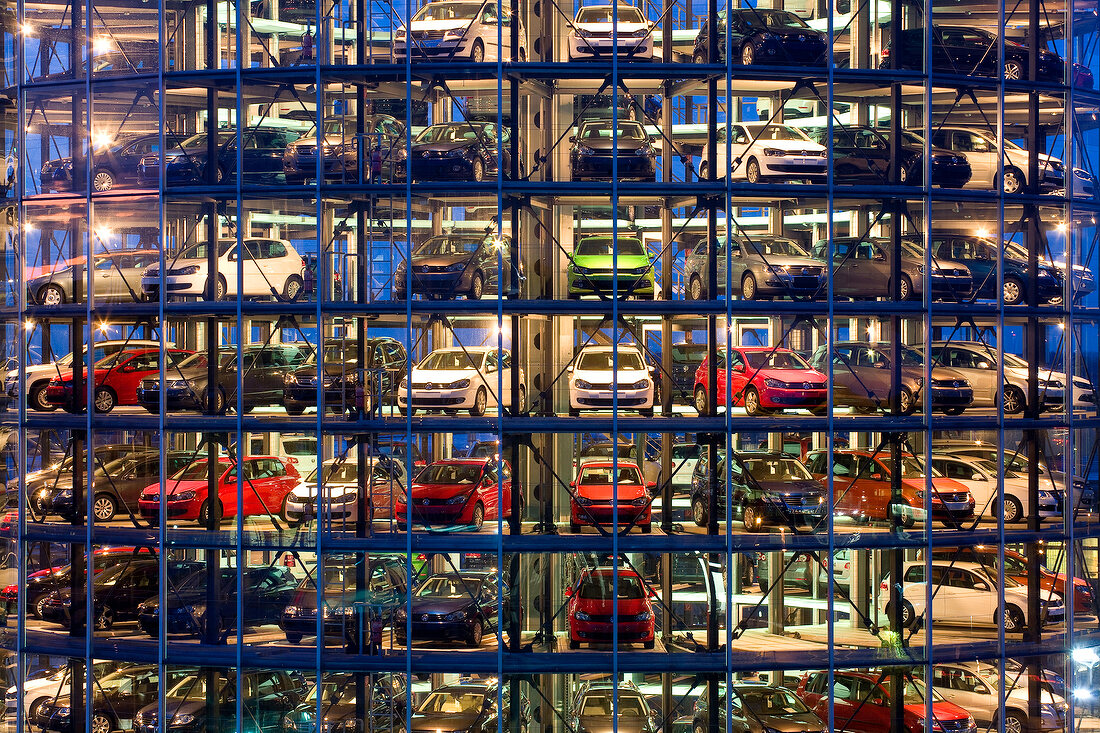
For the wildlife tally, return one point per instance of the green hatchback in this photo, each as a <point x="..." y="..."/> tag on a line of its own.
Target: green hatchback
<point x="591" y="269"/>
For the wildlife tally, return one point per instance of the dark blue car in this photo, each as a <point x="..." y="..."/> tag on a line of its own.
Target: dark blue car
<point x="980" y="256"/>
<point x="113" y="164"/>
<point x="762" y="36"/>
<point x="186" y="162"/>
<point x="453" y="607"/>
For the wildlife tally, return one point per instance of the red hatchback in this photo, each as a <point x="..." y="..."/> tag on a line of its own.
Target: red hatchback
<point x="116" y="379"/>
<point x="593" y="600"/>
<point x="601" y="487"/>
<point x="763" y="380"/>
<point x="861" y="704"/>
<point x="462" y="491"/>
<point x="267" y="483"/>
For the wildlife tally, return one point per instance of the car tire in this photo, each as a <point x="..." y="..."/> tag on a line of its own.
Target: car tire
<point x="953" y="410"/>
<point x="477" y="170"/>
<point x="217" y="407"/>
<point x="699" y="512"/>
<point x="574" y="644"/>
<point x="37" y="398"/>
<point x="752" y="171"/>
<point x="104" y="507"/>
<point x="477" y="52"/>
<point x="1013" y="400"/>
<point x="700" y="401"/>
<point x="906" y="404"/>
<point x="406" y="410"/>
<point x="477" y="287"/>
<point x="204" y="513"/>
<point x="748" y="54"/>
<point x="749" y="290"/>
<point x="294" y="411"/>
<point x="522" y="399"/>
<point x="649" y="644"/>
<point x="292" y="287"/>
<point x="481" y="403"/>
<point x="101" y="723"/>
<point x="752" y="521"/>
<point x="1013" y="619"/>
<point x="909" y="618"/>
<point x="695" y="288"/>
<point x="51" y="295"/>
<point x="1012" y="180"/>
<point x="40" y="606"/>
<point x="704" y="170"/>
<point x="478" y="518"/>
<point x="216" y="290"/>
<point x="477" y="631"/>
<point x="1010" y="508"/>
<point x="104" y="400"/>
<point x="1013" y="292"/>
<point x="751" y="402"/>
<point x="905" y="288"/>
<point x="646" y="528"/>
<point x="1015" y="723"/>
<point x="574" y="528"/>
<point x="1014" y="71"/>
<point x="104" y="621"/>
<point x="293" y="638"/>
<point x="102" y="179"/>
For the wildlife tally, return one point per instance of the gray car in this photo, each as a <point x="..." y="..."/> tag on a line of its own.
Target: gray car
<point x="863" y="268"/>
<point x="758" y="708"/>
<point x="339" y="149"/>
<point x="761" y="267"/>
<point x="115" y="276"/>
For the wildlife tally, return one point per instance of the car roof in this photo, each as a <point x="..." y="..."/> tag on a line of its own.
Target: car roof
<point x="605" y="463"/>
<point x="959" y="564"/>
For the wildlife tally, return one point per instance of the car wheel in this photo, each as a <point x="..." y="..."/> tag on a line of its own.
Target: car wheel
<point x="751" y="401"/>
<point x="104" y="507"/>
<point x="646" y="528"/>
<point x="477" y="53"/>
<point x="748" y="54"/>
<point x="1013" y="400"/>
<point x="1014" y="723"/>
<point x="51" y="295"/>
<point x="102" y="180"/>
<point x="1013" y="291"/>
<point x="217" y="289"/>
<point x="215" y="406"/>
<point x="752" y="520"/>
<point x="1013" y="619"/>
<point x="101" y="723"/>
<point x="477" y="287"/>
<point x="905" y="288"/>
<point x="574" y="644"/>
<point x="478" y="519"/>
<point x="477" y="170"/>
<point x="649" y="644"/>
<point x="748" y="287"/>
<point x="481" y="402"/>
<point x="105" y="620"/>
<point x="700" y="400"/>
<point x="574" y="528"/>
<point x="522" y="55"/>
<point x="406" y="410"/>
<point x="204" y="513"/>
<point x="477" y="631"/>
<point x="1012" y="180"/>
<point x="699" y="511"/>
<point x="295" y="411"/>
<point x="292" y="287"/>
<point x="1014" y="71"/>
<point x="293" y="638"/>
<point x="906" y="403"/>
<point x="103" y="400"/>
<point x="40" y="606"/>
<point x="38" y="398"/>
<point x="704" y="170"/>
<point x="695" y="288"/>
<point x="908" y="615"/>
<point x="522" y="399"/>
<point x="1010" y="509"/>
<point x="752" y="171"/>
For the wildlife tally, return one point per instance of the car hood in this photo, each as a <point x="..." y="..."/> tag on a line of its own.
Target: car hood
<point x="440" y="605"/>
<point x="605" y="262"/>
<point x="793" y="488"/>
<point x="940" y="710"/>
<point x="439" y="260"/>
<point x="606" y="492"/>
<point x="606" y="27"/>
<point x="606" y="143"/>
<point x="607" y="724"/>
<point x="623" y="376"/>
<point x="627" y="607"/>
<point x="332" y="713"/>
<point x="789" y="261"/>
<point x="438" y="25"/>
<point x="937" y="373"/>
<point x="798" y="145"/>
<point x="442" y="376"/>
<point x="793" y="375"/>
<point x="440" y="491"/>
<point x="177" y="487"/>
<point x="443" y="147"/>
<point x="796" y="723"/>
<point x="435" y="723"/>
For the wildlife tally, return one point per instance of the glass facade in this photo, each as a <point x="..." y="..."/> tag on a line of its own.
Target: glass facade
<point x="569" y="367"/>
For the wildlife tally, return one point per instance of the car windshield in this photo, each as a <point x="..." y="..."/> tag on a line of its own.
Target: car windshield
<point x="195" y="471"/>
<point x="448" y="11"/>
<point x="603" y="361"/>
<point x="689" y="353"/>
<point x="447" y="586"/>
<point x="775" y="360"/>
<point x="342" y="691"/>
<point x="202" y="250"/>
<point x="337" y="473"/>
<point x="772" y="701"/>
<point x="909" y="138"/>
<point x="775" y="132"/>
<point x="777" y="248"/>
<point x="606" y="246"/>
<point x="193" y="687"/>
<point x="337" y="127"/>
<point x="198" y="140"/>
<point x="605" y="130"/>
<point x="682" y="451"/>
<point x="603" y="14"/>
<point x="194" y="361"/>
<point x="450" y="473"/>
<point x="603" y="450"/>
<point x="450" y="244"/>
<point x="447" y="359"/>
<point x="113" y="360"/>
<point x="777" y="469"/>
<point x="600" y="587"/>
<point x="912" y="468"/>
<point x="1011" y="360"/>
<point x="342" y="353"/>
<point x="452" y="702"/>
<point x="457" y="132"/>
<point x="606" y="475"/>
<point x="777" y="19"/>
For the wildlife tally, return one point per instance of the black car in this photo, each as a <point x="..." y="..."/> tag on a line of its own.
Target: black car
<point x="267" y="590"/>
<point x="464" y="151"/>
<point x="383" y="142"/>
<point x="386" y="694"/>
<point x="756" y="708"/>
<point x="263" y="369"/>
<point x="38" y="483"/>
<point x="452" y="606"/>
<point x="862" y="155"/>
<point x="598" y="144"/>
<point x="448" y="265"/>
<point x="113" y="164"/>
<point x="118" y="591"/>
<point x="186" y="163"/>
<point x="970" y="52"/>
<point x="345" y="608"/>
<point x="767" y="488"/>
<point x="115" y="485"/>
<point x="686" y="359"/>
<point x="115" y="697"/>
<point x="468" y="707"/>
<point x="343" y="376"/>
<point x="982" y="256"/>
<point x="598" y="708"/>
<point x="268" y="696"/>
<point x="761" y="36"/>
<point x="42" y="583"/>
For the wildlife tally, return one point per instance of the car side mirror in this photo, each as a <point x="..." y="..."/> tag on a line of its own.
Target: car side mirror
<point x="981" y="586"/>
<point x="984" y="365"/>
<point x="569" y="592"/>
<point x="876" y="477"/>
<point x="231" y="479"/>
<point x="651" y="485"/>
<point x="572" y="138"/>
<point x="570" y="368"/>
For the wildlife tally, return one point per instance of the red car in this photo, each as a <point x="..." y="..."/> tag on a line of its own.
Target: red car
<point x="862" y="489"/>
<point x="763" y="380"/>
<point x="116" y="379"/>
<point x="268" y="481"/>
<point x="861" y="704"/>
<point x="592" y="600"/>
<point x="458" y="491"/>
<point x="601" y="486"/>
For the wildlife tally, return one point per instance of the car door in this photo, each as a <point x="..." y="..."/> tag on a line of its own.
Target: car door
<point x="126" y="164"/>
<point x="142" y="585"/>
<point x="953" y="591"/>
<point x="980" y="154"/>
<point x="847" y="268"/>
<point x="489" y="491"/>
<point x="846" y="704"/>
<point x="487" y="601"/>
<point x="979" y="368"/>
<point x="847" y="492"/>
<point x="874" y="268"/>
<point x="257" y="280"/>
<point x="124" y="380"/>
<point x="738" y="374"/>
<point x="965" y="689"/>
<point x="227" y="487"/>
<point x="873" y="483"/>
<point x="107" y="279"/>
<point x="729" y="260"/>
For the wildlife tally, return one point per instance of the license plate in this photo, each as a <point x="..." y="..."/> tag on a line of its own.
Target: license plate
<point x="429" y="44"/>
<point x="431" y="395"/>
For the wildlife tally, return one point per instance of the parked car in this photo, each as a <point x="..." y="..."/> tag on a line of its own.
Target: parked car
<point x="758" y="708"/>
<point x="601" y="150"/>
<point x="459" y="606"/>
<point x="597" y="594"/>
<point x="273" y="268"/>
<point x="113" y="164"/>
<point x="1010" y="500"/>
<point x="343" y="380"/>
<point x="986" y="154"/>
<point x="116" y="276"/>
<point x="41" y="583"/>
<point x="448" y="265"/>
<point x="464" y="151"/>
<point x="186" y="162"/>
<point x="623" y="708"/>
<point x="862" y="379"/>
<point x="862" y="155"/>
<point x="345" y="609"/>
<point x="763" y="380"/>
<point x="767" y="152"/>
<point x="385" y="482"/>
<point x="264" y="594"/>
<point x="268" y="481"/>
<point x="115" y="697"/>
<point x="862" y="489"/>
<point x="461" y="378"/>
<point x="802" y="570"/>
<point x="596" y="261"/>
<point x="604" y="376"/>
<point x="267" y="695"/>
<point x="685" y="457"/>
<point x="976" y="687"/>
<point x="761" y="36"/>
<point x="760" y="267"/>
<point x="767" y="489"/>
<point x="460" y="29"/>
<point x="863" y="267"/>
<point x="339" y="148"/>
<point x="467" y="707"/>
<point x="967" y="595"/>
<point x="457" y="491"/>
<point x="38" y="483"/>
<point x="862" y="703"/>
<point x="52" y="683"/>
<point x="115" y="486"/>
<point x="116" y="379"/>
<point x="606" y="494"/>
<point x="602" y="449"/>
<point x="981" y="256"/>
<point x="601" y="31"/>
<point x="337" y="693"/>
<point x="686" y="358"/>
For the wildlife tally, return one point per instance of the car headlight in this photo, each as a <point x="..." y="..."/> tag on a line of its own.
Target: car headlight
<point x="460" y="384"/>
<point x="1045" y="495"/>
<point x="460" y="499"/>
<point x="456" y="616"/>
<point x="457" y="267"/>
<point x="584" y="501"/>
<point x="919" y="381"/>
<point x="581" y="616"/>
<point x="585" y="150"/>
<point x="640" y="33"/>
<point x="644" y="616"/>
<point x="640" y="501"/>
<point x="183" y="719"/>
<point x="773" y="152"/>
<point x="777" y="269"/>
<point x="582" y="33"/>
<point x="640" y="384"/>
<point x="582" y="384"/>
<point x="182" y="496"/>
<point x="769" y="382"/>
<point x="176" y="384"/>
<point x="639" y="271"/>
<point x="456" y="32"/>
<point x="290" y="378"/>
<point x="399" y="613"/>
<point x="288" y="722"/>
<point x="456" y="153"/>
<point x="189" y="270"/>
<point x="400" y="35"/>
<point x="582" y="270"/>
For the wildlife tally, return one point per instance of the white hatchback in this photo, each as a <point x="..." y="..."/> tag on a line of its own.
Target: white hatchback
<point x="976" y="686"/>
<point x="594" y="383"/>
<point x="763" y="152"/>
<point x="457" y="378"/>
<point x="980" y="476"/>
<point x="272" y="267"/>
<point x="470" y="30"/>
<point x="602" y="31"/>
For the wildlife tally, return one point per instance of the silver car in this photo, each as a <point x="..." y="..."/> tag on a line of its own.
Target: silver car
<point x="115" y="276"/>
<point x="761" y="267"/>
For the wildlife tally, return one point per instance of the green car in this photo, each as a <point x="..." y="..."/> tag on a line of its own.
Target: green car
<point x="591" y="271"/>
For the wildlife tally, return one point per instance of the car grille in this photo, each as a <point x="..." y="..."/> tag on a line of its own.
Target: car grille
<point x="952" y="497"/>
<point x="960" y="724"/>
<point x="430" y="268"/>
<point x="600" y="618"/>
<point x="428" y="35"/>
<point x="307" y="150"/>
<point x="950" y="383"/>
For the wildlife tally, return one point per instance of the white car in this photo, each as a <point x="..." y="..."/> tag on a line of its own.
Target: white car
<point x="980" y="476"/>
<point x="768" y="152"/>
<point x="593" y="383"/>
<point x="37" y="377"/>
<point x="965" y="594"/>
<point x="272" y="267"/>
<point x="976" y="687"/>
<point x="455" y="378"/>
<point x="596" y="34"/>
<point x="684" y="458"/>
<point x="48" y="686"/>
<point x="470" y="30"/>
<point x="341" y="495"/>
